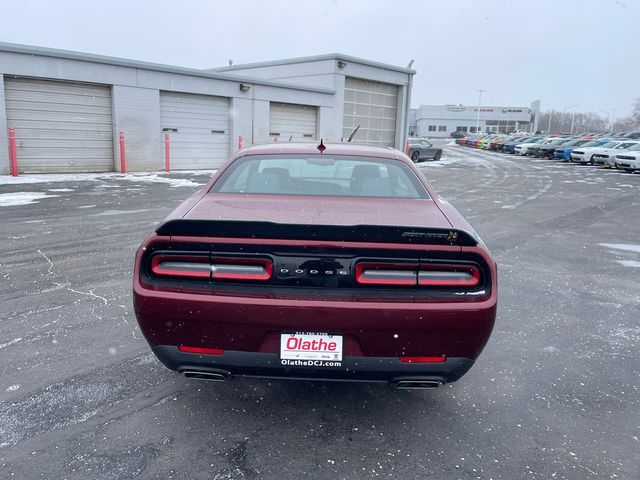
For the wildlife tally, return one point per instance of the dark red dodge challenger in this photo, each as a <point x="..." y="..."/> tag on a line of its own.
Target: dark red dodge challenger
<point x="307" y="261"/>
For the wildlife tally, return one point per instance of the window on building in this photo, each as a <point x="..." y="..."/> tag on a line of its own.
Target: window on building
<point x="432" y="128"/>
<point x="461" y="129"/>
<point x="472" y="129"/>
<point x="442" y="128"/>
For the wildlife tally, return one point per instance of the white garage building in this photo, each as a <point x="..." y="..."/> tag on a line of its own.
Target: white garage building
<point x="67" y="108"/>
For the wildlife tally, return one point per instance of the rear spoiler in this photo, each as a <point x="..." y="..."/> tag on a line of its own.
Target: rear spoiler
<point x="344" y="233"/>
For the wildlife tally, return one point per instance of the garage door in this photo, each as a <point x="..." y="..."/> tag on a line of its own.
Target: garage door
<point x="291" y="122"/>
<point x="60" y="126"/>
<point x="373" y="106"/>
<point x="199" y="129"/>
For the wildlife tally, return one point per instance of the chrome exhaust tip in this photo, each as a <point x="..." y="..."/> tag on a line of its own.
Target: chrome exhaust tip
<point x="417" y="384"/>
<point x="212" y="377"/>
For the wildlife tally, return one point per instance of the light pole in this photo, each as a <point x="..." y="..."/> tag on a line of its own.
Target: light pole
<point x="478" y="115"/>
<point x="613" y="114"/>
<point x="564" y="110"/>
<point x="609" y="122"/>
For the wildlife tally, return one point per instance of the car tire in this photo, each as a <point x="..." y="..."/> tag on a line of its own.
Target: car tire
<point x="437" y="155"/>
<point x="415" y="157"/>
<point x="592" y="161"/>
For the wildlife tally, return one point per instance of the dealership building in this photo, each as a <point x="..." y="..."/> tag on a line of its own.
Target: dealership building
<point x="67" y="110"/>
<point x="442" y="120"/>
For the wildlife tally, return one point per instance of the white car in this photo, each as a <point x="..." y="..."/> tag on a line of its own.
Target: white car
<point x="521" y="149"/>
<point x="630" y="159"/>
<point x="607" y="156"/>
<point x="585" y="155"/>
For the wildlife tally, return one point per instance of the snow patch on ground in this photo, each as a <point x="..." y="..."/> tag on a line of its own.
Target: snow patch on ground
<point x="13" y="388"/>
<point x="622" y="246"/>
<point x="159" y="177"/>
<point x="155" y="178"/>
<point x="22" y="198"/>
<point x="119" y="212"/>
<point x="10" y="342"/>
<point x="53" y="177"/>
<point x="61" y="190"/>
<point x="629" y="263"/>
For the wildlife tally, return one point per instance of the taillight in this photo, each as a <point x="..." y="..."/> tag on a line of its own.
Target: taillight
<point x="225" y="268"/>
<point x="181" y="266"/>
<point x="448" y="275"/>
<point x="386" y="273"/>
<point x="217" y="268"/>
<point x="424" y="274"/>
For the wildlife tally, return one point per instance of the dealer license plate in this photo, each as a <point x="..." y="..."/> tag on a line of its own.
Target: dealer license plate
<point x="310" y="346"/>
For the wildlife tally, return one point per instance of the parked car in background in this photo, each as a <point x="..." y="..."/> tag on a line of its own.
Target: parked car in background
<point x="547" y="151"/>
<point x="629" y="159"/>
<point x="549" y="143"/>
<point x="523" y="148"/>
<point x="512" y="140"/>
<point x="584" y="147"/>
<point x="421" y="149"/>
<point x="458" y="134"/>
<point x="563" y="152"/>
<point x="585" y="154"/>
<point x="385" y="282"/>
<point x="607" y="156"/>
<point x="633" y="135"/>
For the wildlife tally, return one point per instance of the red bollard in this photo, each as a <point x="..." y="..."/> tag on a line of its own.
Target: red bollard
<point x="167" y="150"/>
<point x="406" y="148"/>
<point x="123" y="157"/>
<point x="12" y="152"/>
<point x="240" y="142"/>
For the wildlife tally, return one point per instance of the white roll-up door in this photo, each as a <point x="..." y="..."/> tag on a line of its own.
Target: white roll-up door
<point x="373" y="106"/>
<point x="198" y="126"/>
<point x="60" y="126"/>
<point x="290" y="122"/>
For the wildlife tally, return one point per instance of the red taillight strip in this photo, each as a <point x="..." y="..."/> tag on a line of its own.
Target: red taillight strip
<point x="448" y="275"/>
<point x="227" y="268"/>
<point x="204" y="351"/>
<point x="436" y="275"/>
<point x="386" y="273"/>
<point x="440" y="359"/>
<point x="181" y="266"/>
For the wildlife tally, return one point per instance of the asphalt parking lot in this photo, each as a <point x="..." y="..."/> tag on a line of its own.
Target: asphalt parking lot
<point x="554" y="395"/>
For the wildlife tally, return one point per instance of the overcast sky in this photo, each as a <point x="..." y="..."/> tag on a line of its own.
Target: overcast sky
<point x="562" y="52"/>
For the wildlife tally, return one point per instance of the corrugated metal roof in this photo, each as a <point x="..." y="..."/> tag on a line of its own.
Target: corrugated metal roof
<point x="316" y="58"/>
<point x="158" y="67"/>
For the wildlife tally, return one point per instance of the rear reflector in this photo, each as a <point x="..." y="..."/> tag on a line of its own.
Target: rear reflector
<point x="439" y="359"/>
<point x="386" y="273"/>
<point x="203" y="351"/>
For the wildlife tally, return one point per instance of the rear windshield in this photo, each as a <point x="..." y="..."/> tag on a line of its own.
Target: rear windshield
<point x="320" y="175"/>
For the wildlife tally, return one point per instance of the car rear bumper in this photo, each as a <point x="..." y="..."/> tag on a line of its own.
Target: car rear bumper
<point x="352" y="368"/>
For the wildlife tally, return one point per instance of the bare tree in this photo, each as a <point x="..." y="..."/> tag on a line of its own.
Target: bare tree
<point x="631" y="122"/>
<point x="555" y="121"/>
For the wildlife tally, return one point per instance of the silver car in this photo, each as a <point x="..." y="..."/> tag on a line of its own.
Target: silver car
<point x="420" y="149"/>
